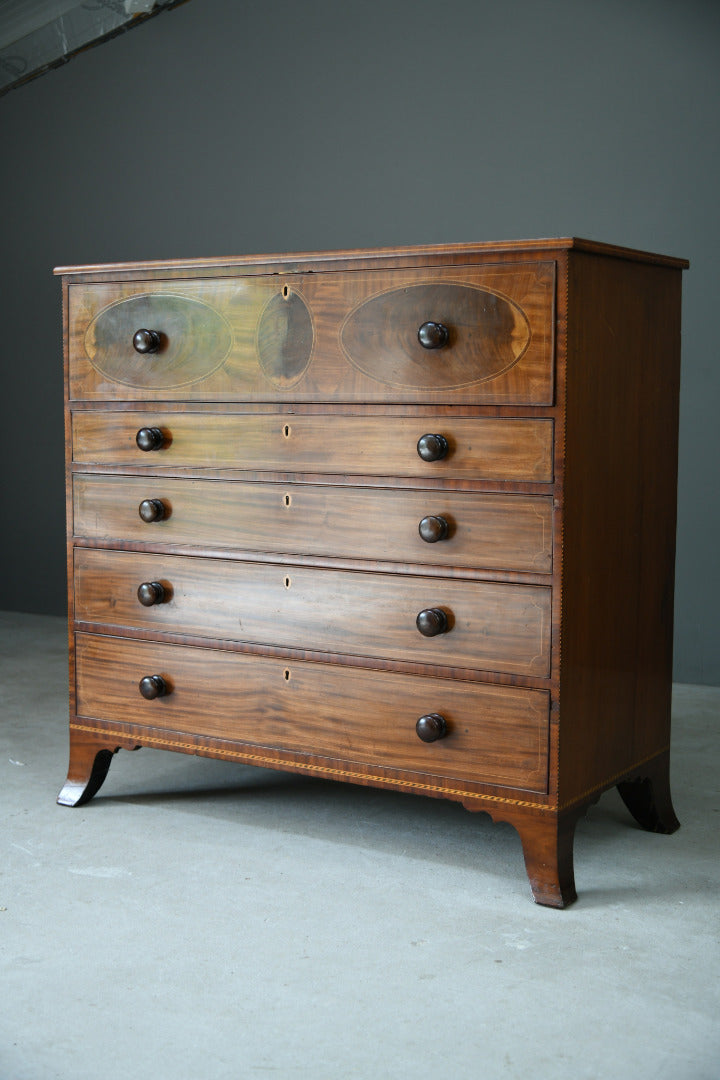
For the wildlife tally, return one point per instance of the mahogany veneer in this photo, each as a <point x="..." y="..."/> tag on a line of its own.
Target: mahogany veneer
<point x="402" y="517"/>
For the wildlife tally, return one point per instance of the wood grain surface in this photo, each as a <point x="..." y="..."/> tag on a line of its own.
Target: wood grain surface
<point x="510" y="532"/>
<point x="223" y="339"/>
<point x="497" y="735"/>
<point x="479" y="448"/>
<point x="493" y="626"/>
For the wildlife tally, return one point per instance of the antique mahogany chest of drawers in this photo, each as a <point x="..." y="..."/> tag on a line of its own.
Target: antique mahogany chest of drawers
<point x="402" y="518"/>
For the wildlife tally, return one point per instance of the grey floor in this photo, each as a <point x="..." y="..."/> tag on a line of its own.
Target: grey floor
<point x="200" y="919"/>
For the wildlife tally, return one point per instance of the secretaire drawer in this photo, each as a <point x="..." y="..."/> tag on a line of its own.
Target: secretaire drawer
<point x="465" y="624"/>
<point x="453" y="447"/>
<point x="496" y="735"/>
<point x="502" y="532"/>
<point x="457" y="334"/>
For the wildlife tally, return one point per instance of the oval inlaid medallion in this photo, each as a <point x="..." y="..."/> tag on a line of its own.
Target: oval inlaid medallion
<point x="285" y="339"/>
<point x="486" y="334"/>
<point x="194" y="340"/>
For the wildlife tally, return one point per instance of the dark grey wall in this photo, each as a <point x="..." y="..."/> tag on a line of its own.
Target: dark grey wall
<point x="227" y="128"/>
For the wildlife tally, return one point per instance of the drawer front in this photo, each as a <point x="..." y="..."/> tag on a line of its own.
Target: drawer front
<point x="493" y="627"/>
<point x="495" y="735"/>
<point x="505" y="532"/>
<point x="320" y="336"/>
<point x="477" y="448"/>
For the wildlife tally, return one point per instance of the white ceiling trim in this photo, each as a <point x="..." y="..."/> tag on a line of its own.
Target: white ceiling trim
<point x="39" y="34"/>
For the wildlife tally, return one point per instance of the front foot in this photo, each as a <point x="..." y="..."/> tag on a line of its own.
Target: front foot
<point x="90" y="757"/>
<point x="547" y="843"/>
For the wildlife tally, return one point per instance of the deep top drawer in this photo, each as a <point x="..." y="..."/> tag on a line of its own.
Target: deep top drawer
<point x="457" y="334"/>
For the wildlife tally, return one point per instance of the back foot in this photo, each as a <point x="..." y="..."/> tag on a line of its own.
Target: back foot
<point x="648" y="797"/>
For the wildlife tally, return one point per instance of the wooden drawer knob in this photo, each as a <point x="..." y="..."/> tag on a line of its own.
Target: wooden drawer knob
<point x="152" y="510"/>
<point x="146" y="341"/>
<point x="151" y="592"/>
<point x="153" y="686"/>
<point x="432" y="621"/>
<point x="433" y="528"/>
<point x="433" y="335"/>
<point x="431" y="727"/>
<point x="150" y="438"/>
<point x="432" y="447"/>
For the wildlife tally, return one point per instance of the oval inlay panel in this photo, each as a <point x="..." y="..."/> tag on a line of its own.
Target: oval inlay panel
<point x="195" y="340"/>
<point x="487" y="335"/>
<point x="285" y="339"/>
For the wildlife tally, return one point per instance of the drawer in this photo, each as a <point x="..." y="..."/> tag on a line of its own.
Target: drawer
<point x="326" y="336"/>
<point x="490" y="626"/>
<point x="476" y="448"/>
<point x="495" y="735"/>
<point x="505" y="532"/>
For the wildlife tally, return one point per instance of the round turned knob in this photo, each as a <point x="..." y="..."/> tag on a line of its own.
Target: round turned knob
<point x="433" y="335"/>
<point x="432" y="447"/>
<point x="152" y="510"/>
<point x="432" y="621"/>
<point x="431" y="727"/>
<point x="146" y="341"/>
<point x="432" y="529"/>
<point x="149" y="438"/>
<point x="153" y="686"/>
<point x="150" y="592"/>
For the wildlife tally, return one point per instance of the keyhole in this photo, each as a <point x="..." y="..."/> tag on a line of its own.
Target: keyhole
<point x="286" y="431"/>
<point x="286" y="674"/>
<point x="286" y="292"/>
<point x="288" y="583"/>
<point x="288" y="500"/>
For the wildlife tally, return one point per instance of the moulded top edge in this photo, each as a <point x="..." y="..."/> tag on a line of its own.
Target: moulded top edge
<point x="326" y="259"/>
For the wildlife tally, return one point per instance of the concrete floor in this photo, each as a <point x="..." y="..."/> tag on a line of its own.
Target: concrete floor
<point x="200" y="919"/>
